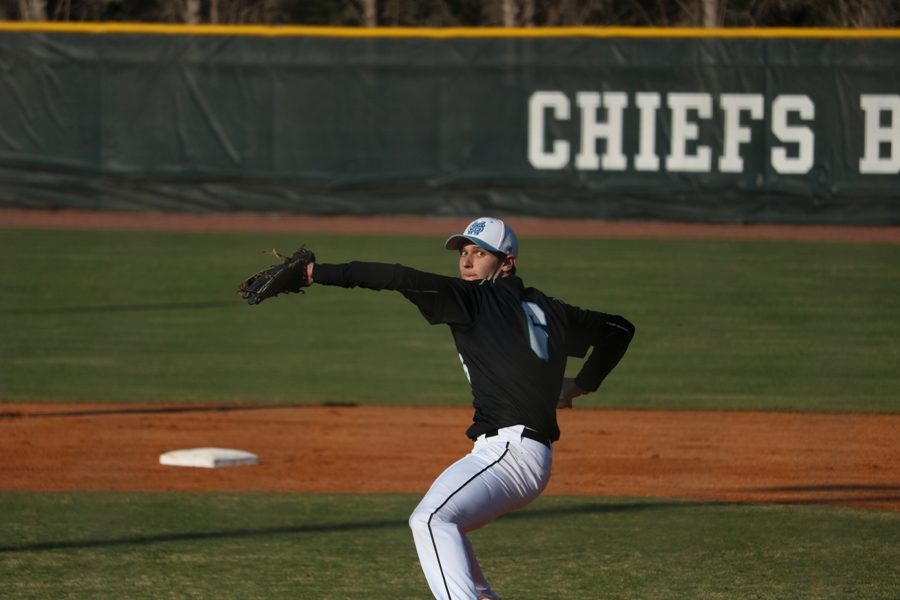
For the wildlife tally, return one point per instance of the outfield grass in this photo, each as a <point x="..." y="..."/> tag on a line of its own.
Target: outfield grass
<point x="116" y="545"/>
<point x="149" y="316"/>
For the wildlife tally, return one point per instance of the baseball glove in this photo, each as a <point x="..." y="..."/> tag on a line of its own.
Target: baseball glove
<point x="287" y="278"/>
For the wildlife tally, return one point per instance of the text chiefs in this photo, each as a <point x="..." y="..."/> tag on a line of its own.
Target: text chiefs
<point x="601" y="121"/>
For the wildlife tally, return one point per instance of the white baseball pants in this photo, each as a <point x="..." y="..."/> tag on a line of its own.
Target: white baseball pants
<point x="500" y="474"/>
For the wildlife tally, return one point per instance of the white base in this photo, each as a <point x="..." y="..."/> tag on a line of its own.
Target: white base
<point x="208" y="458"/>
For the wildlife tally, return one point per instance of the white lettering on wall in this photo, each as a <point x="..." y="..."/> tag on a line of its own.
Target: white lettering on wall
<point x="538" y="106"/>
<point x="735" y="134"/>
<point x="803" y="137"/>
<point x="684" y="118"/>
<point x="602" y="125"/>
<point x="646" y="159"/>
<point x="879" y="134"/>
<point x="610" y="130"/>
<point x="685" y="129"/>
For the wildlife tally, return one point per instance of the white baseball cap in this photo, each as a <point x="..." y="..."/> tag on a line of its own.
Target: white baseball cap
<point x="491" y="234"/>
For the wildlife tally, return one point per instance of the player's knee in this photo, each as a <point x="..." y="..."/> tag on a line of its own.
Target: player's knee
<point x="418" y="520"/>
<point x="422" y="519"/>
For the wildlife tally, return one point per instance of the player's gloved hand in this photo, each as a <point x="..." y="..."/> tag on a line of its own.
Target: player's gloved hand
<point x="293" y="274"/>
<point x="569" y="391"/>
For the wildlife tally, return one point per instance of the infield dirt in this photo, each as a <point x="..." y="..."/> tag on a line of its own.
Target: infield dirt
<point x="832" y="459"/>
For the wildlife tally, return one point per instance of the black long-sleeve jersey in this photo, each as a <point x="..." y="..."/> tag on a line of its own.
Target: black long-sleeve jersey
<point x="513" y="341"/>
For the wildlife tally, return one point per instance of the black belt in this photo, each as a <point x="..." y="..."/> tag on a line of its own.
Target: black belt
<point x="526" y="433"/>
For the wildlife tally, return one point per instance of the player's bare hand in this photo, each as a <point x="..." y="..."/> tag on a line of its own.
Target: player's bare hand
<point x="569" y="391"/>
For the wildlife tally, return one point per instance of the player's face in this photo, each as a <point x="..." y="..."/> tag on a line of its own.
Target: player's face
<point x="477" y="263"/>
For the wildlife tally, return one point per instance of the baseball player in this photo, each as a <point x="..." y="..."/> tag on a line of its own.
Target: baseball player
<point x="513" y="342"/>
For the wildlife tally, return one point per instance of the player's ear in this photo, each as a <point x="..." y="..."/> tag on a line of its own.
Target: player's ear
<point x="508" y="264"/>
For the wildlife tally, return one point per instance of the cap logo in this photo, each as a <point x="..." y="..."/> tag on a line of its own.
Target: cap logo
<point x="476" y="228"/>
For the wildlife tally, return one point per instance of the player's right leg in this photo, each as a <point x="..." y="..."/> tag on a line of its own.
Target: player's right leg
<point x="482" y="587"/>
<point x="439" y="542"/>
<point x="493" y="480"/>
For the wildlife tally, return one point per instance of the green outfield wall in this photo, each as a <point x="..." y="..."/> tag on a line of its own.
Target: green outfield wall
<point x="698" y="125"/>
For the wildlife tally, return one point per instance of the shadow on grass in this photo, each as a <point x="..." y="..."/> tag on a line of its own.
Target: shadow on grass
<point x="187" y="536"/>
<point x="838" y="494"/>
<point x="108" y="308"/>
<point x="140" y="540"/>
<point x="589" y="508"/>
<point x="833" y="487"/>
<point x="137" y="410"/>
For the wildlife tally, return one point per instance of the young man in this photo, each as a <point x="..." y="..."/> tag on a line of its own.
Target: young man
<point x="513" y="342"/>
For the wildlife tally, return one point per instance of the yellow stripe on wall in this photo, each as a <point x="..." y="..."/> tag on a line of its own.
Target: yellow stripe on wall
<point x="441" y="33"/>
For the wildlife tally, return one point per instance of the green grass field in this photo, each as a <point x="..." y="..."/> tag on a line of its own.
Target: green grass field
<point x="130" y="316"/>
<point x="151" y="317"/>
<point x="105" y="545"/>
